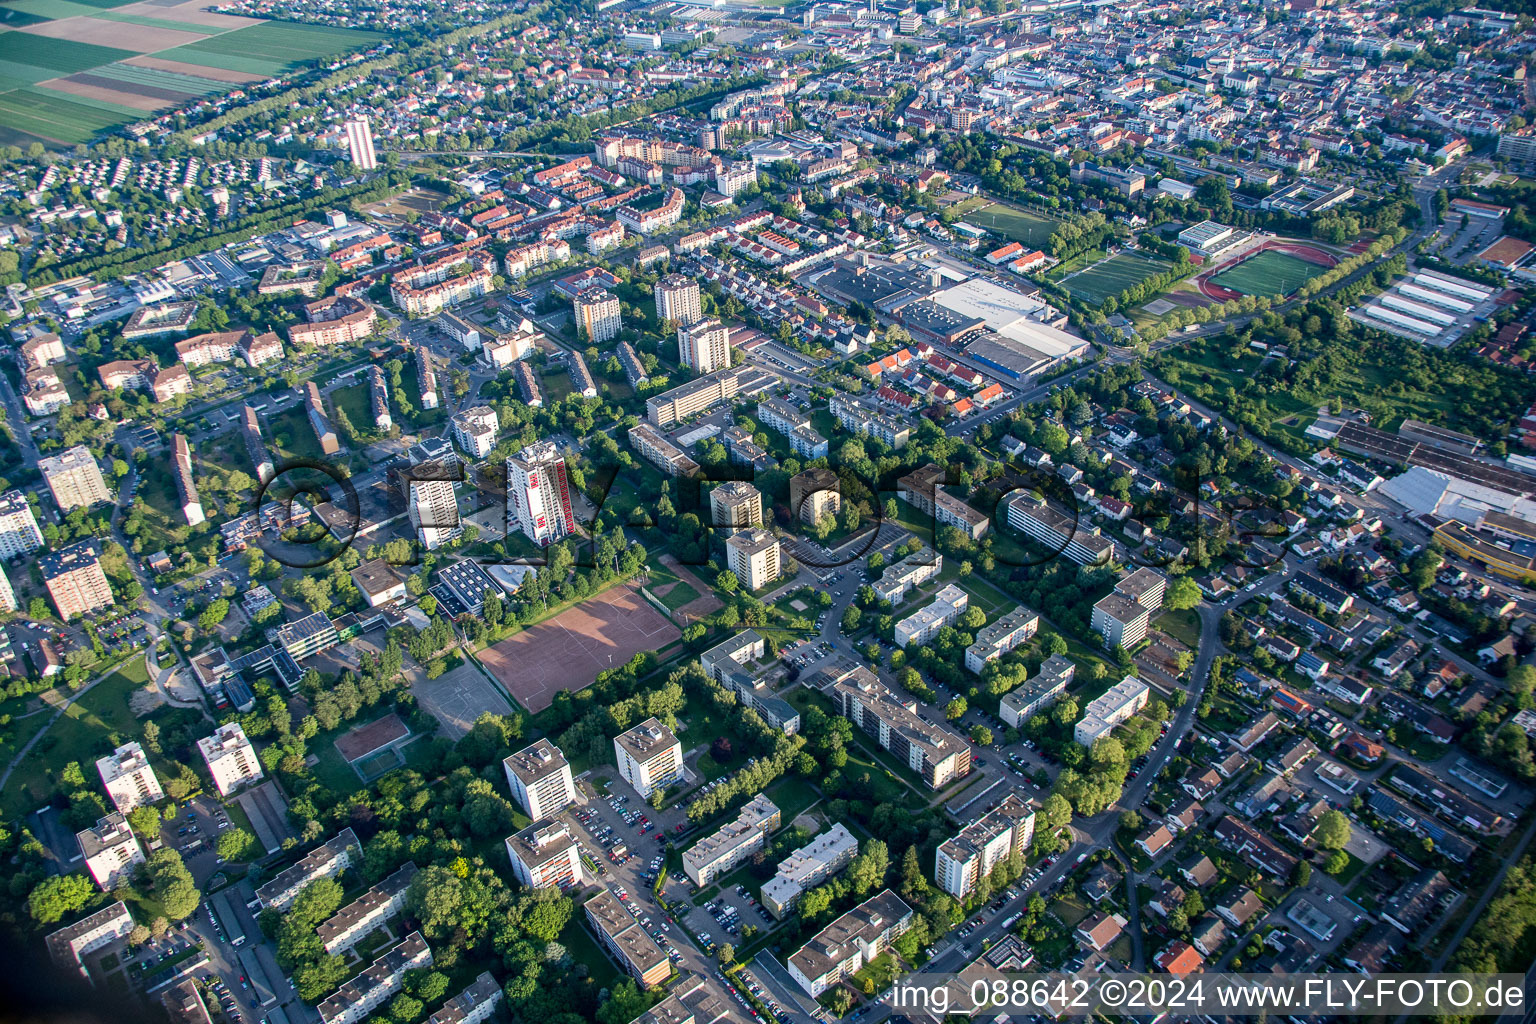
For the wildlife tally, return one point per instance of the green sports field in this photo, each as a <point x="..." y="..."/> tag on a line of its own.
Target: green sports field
<point x="1013" y="224"/>
<point x="1114" y="275"/>
<point x="1269" y="273"/>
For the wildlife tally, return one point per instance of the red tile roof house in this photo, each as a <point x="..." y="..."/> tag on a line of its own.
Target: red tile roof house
<point x="1100" y="930"/>
<point x="1180" y="958"/>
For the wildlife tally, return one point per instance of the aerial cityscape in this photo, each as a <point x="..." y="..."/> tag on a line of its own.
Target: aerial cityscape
<point x="708" y="511"/>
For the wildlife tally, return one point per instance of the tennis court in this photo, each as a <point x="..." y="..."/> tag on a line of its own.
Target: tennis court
<point x="1112" y="276"/>
<point x="1271" y="272"/>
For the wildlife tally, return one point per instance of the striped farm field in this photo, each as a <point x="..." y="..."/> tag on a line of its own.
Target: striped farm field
<point x="73" y="69"/>
<point x="270" y="48"/>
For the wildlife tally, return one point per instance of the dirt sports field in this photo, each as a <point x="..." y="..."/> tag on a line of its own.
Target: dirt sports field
<point x="568" y="651"/>
<point x="365" y="739"/>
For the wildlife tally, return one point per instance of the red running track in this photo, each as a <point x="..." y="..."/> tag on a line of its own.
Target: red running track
<point x="1310" y="253"/>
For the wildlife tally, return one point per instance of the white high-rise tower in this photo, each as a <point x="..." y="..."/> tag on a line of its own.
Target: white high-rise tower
<point x="360" y="143"/>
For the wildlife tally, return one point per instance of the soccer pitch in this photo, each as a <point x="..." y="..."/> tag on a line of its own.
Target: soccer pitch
<point x="1114" y="275"/>
<point x="1013" y="224"/>
<point x="1269" y="273"/>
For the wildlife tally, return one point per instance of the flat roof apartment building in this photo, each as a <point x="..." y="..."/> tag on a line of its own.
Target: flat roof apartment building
<point x="707" y="391"/>
<point x="472" y="1005"/>
<point x="1001" y="636"/>
<point x="19" y="532"/>
<point x="74" y="478"/>
<point x="111" y="850"/>
<point x="923" y="489"/>
<point x="544" y="854"/>
<point x="75" y="580"/>
<point x="540" y="778"/>
<point x="1057" y="531"/>
<point x="628" y="943"/>
<point x="378" y="984"/>
<point x="733" y="843"/>
<point x="1037" y="692"/>
<point x="812" y="864"/>
<point x="325" y="861"/>
<point x="649" y="756"/>
<point x="935" y="753"/>
<point x="366" y="913"/>
<point x="68" y="946"/>
<point x="971" y="855"/>
<point x="230" y="758"/>
<point x="1116" y="705"/>
<point x="660" y="452"/>
<point x="128" y="778"/>
<point x="913" y="571"/>
<point x="924" y="624"/>
<point x="754" y="557"/>
<point x="815" y="493"/>
<point x="843" y="947"/>
<point x="735" y="505"/>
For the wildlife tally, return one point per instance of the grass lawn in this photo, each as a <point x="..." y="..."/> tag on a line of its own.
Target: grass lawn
<point x="792" y="795"/>
<point x="357" y="402"/>
<point x="1114" y="275"/>
<point x="294" y="437"/>
<point x="584" y="949"/>
<point x="90" y="728"/>
<point x="1183" y="626"/>
<point x="1014" y="224"/>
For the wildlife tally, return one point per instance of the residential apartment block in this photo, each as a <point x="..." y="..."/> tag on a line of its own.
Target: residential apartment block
<point x="705" y="346"/>
<point x="622" y="936"/>
<point x="19" y="532"/>
<point x="971" y="855"/>
<point x="997" y="638"/>
<point x="1037" y="692"/>
<point x="815" y="493"/>
<point x="735" y="505"/>
<point x="678" y="300"/>
<point x="325" y="861"/>
<point x="111" y="850"/>
<point x="649" y="756"/>
<point x="74" y="579"/>
<point x="363" y="915"/>
<point x="660" y="452"/>
<point x="475" y="430"/>
<point x="934" y="752"/>
<point x="544" y="854"/>
<point x="74" y="478"/>
<point x="597" y="316"/>
<point x="754" y="557"/>
<point x="1116" y="705"/>
<point x="1057" y="531"/>
<point x="924" y="624"/>
<point x="68" y="946"/>
<point x="539" y="494"/>
<point x="806" y="867"/>
<point x="733" y="843"/>
<point x="230" y="758"/>
<point x="128" y="778"/>
<point x="913" y="571"/>
<point x="842" y="948"/>
<point x="473" y="1005"/>
<point x="540" y="779"/>
<point x="375" y="986"/>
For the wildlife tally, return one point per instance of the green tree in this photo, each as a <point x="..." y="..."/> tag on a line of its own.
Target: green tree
<point x="1333" y="830"/>
<point x="58" y="895"/>
<point x="236" y="844"/>
<point x="1183" y="593"/>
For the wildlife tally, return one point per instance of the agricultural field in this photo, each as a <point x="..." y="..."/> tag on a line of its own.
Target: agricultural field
<point x="1269" y="273"/>
<point x="1114" y="275"/>
<point x="1013" y="224"/>
<point x="73" y="69"/>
